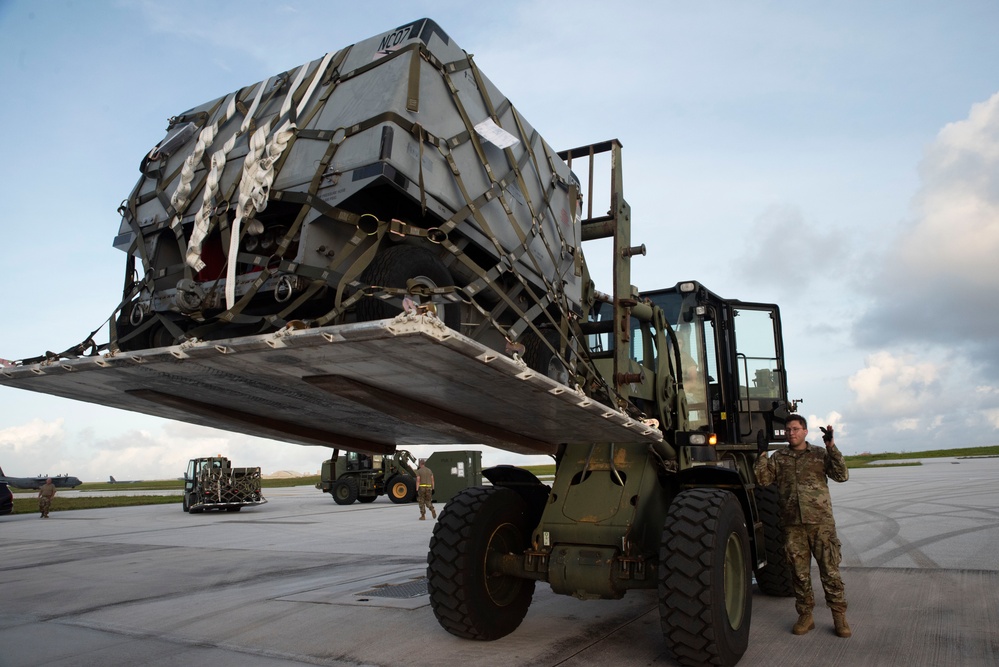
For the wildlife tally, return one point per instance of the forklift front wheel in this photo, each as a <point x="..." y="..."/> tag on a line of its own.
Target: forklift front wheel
<point x="468" y="599"/>
<point x="705" y="600"/>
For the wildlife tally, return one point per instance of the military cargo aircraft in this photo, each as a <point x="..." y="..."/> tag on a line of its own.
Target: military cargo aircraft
<point x="60" y="481"/>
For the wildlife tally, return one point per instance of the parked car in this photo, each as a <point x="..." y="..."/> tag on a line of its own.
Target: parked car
<point x="6" y="498"/>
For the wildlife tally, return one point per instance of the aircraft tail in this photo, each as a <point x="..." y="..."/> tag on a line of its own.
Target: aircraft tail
<point x="112" y="479"/>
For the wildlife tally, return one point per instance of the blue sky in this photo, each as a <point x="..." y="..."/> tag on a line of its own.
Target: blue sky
<point x="839" y="159"/>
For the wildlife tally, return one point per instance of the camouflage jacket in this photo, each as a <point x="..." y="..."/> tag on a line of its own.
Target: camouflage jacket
<point x="800" y="477"/>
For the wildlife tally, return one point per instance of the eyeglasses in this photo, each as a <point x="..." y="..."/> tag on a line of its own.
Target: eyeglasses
<point x="795" y="429"/>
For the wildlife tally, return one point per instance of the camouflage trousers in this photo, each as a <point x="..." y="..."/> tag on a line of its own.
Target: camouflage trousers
<point x="425" y="497"/>
<point x="819" y="540"/>
<point x="44" y="504"/>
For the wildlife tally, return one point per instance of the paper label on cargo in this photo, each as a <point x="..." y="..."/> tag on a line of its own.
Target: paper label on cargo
<point x="495" y="134"/>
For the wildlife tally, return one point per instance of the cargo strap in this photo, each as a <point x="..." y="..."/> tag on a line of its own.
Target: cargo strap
<point x="129" y="208"/>
<point x="202" y="221"/>
<point x="440" y="234"/>
<point x="257" y="174"/>
<point x="258" y="166"/>
<point x="508" y="257"/>
<point x="232" y="236"/>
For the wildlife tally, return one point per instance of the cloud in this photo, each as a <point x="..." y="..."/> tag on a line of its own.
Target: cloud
<point x="939" y="280"/>
<point x="893" y="385"/>
<point x="908" y="424"/>
<point x="909" y="401"/>
<point x="834" y="419"/>
<point x="37" y="447"/>
<point x="776" y="235"/>
<point x="16" y="439"/>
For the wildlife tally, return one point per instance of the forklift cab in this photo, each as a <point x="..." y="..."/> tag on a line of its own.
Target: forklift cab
<point x="731" y="362"/>
<point x="355" y="461"/>
<point x="728" y="358"/>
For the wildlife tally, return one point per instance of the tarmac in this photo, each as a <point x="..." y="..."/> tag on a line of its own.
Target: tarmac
<point x="303" y="581"/>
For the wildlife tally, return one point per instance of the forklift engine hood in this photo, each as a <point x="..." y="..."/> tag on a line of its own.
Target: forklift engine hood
<point x="366" y="387"/>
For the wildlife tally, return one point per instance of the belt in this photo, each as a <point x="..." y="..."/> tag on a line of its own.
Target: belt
<point x="424" y="486"/>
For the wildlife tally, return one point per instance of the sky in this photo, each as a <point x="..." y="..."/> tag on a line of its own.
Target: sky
<point x="838" y="159"/>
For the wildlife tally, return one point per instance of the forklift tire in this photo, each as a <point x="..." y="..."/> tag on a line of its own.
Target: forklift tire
<point x="402" y="489"/>
<point x="468" y="600"/>
<point x="344" y="491"/>
<point x="234" y="509"/>
<point x="775" y="578"/>
<point x="705" y="597"/>
<point x="395" y="267"/>
<point x="366" y="499"/>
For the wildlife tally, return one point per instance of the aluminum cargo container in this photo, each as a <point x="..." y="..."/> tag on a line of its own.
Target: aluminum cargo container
<point x="330" y="193"/>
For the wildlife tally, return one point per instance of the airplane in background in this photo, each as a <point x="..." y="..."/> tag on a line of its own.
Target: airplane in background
<point x="60" y="481"/>
<point x="124" y="481"/>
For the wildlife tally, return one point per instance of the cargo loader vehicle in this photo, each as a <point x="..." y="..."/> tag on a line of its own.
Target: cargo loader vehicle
<point x="211" y="483"/>
<point x="376" y="250"/>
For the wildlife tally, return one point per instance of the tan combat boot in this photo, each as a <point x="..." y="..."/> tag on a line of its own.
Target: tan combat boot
<point x="842" y="627"/>
<point x="804" y="624"/>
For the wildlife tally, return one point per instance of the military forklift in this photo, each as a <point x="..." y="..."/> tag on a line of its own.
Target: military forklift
<point x="262" y="297"/>
<point x="683" y="515"/>
<point x="363" y="477"/>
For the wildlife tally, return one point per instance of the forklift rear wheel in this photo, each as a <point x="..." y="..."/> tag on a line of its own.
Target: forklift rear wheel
<point x="366" y="499"/>
<point x="705" y="602"/>
<point x="344" y="491"/>
<point x="468" y="599"/>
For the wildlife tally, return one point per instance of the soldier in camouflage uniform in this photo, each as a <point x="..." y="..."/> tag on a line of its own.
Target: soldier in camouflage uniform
<point x="425" y="490"/>
<point x="800" y="473"/>
<point x="46" y="492"/>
